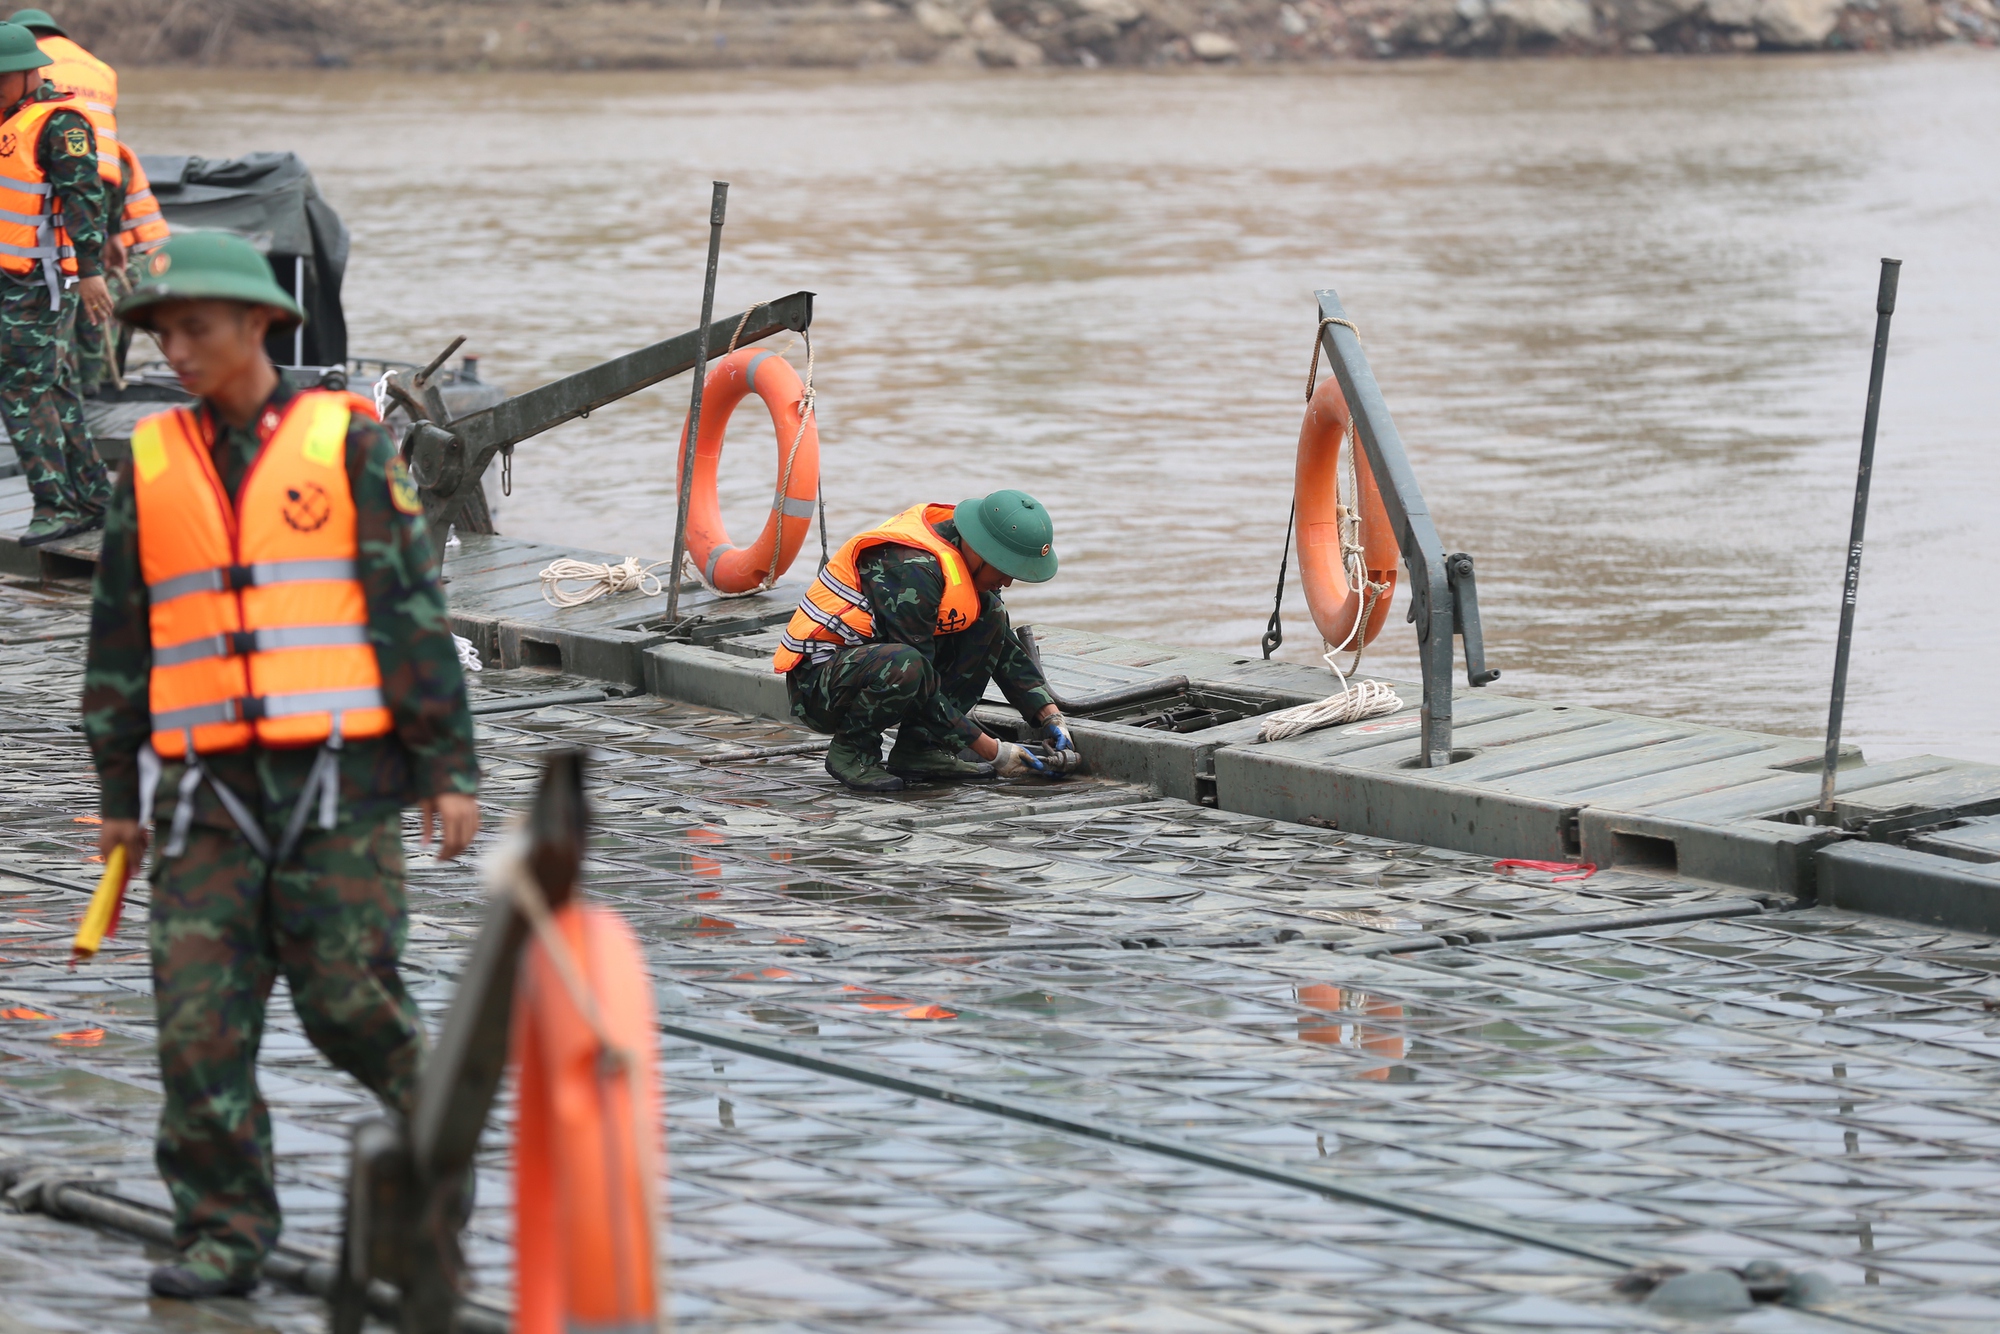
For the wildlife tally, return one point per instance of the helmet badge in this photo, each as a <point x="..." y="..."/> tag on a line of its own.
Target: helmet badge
<point x="161" y="262"/>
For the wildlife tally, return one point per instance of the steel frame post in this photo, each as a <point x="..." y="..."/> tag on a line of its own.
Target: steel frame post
<point x="1431" y="600"/>
<point x="1885" y="306"/>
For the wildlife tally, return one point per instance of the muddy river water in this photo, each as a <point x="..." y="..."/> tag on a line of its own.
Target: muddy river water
<point x="1621" y="311"/>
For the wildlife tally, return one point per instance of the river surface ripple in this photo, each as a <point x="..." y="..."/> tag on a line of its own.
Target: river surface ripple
<point x="1621" y="310"/>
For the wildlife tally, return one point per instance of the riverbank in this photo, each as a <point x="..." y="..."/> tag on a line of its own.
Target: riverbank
<point x="711" y="34"/>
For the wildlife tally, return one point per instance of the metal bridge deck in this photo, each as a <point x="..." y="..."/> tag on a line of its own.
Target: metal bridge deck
<point x="1084" y="1058"/>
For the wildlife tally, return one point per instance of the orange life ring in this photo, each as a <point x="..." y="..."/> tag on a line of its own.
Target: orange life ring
<point x="587" y="1139"/>
<point x="1336" y="605"/>
<point x="725" y="566"/>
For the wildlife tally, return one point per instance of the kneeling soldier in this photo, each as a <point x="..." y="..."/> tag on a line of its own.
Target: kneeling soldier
<point x="903" y="629"/>
<point x="267" y="622"/>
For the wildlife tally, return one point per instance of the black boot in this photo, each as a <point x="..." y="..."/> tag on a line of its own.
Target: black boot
<point x="190" y="1281"/>
<point x="857" y="762"/>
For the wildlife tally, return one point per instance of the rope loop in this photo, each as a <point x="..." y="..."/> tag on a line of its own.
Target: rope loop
<point x="597" y="580"/>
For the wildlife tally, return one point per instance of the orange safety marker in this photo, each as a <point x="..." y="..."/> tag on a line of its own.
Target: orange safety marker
<point x="587" y="1140"/>
<point x="107" y="905"/>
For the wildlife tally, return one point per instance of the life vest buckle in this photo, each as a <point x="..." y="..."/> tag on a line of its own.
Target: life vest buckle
<point x="243" y="642"/>
<point x="250" y="708"/>
<point x="241" y="577"/>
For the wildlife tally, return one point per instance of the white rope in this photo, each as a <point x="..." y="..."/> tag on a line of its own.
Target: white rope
<point x="468" y="654"/>
<point x="1363" y="699"/>
<point x="382" y="396"/>
<point x="597" y="580"/>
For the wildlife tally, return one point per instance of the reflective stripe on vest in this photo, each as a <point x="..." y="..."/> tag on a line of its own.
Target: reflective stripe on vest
<point x="835" y="611"/>
<point x="258" y="619"/>
<point x="32" y="234"/>
<point x="141" y="226"/>
<point x="95" y="87"/>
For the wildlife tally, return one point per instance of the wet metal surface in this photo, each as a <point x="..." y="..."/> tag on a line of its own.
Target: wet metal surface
<point x="1151" y="977"/>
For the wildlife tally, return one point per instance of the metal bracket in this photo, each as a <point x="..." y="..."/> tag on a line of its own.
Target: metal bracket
<point x="1443" y="601"/>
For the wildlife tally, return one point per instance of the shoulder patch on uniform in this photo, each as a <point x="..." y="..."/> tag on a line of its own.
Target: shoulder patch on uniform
<point x="402" y="491"/>
<point x="76" y="142"/>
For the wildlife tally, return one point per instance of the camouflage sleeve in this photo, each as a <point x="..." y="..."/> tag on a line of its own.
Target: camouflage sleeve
<point x="1013" y="670"/>
<point x="904" y="587"/>
<point x="116" y="716"/>
<point x="407" y="622"/>
<point x="69" y="159"/>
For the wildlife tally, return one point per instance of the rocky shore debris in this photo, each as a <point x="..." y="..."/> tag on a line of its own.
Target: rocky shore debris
<point x="1004" y="34"/>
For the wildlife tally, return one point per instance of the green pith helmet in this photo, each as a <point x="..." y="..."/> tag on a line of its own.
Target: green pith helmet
<point x="192" y="266"/>
<point x="36" y="20"/>
<point x="1010" y="531"/>
<point x="18" y="51"/>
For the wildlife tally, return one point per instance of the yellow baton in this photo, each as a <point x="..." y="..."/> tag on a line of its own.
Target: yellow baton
<point x="100" y="919"/>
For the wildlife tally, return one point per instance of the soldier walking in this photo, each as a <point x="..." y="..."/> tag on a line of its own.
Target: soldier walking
<point x="269" y="638"/>
<point x="904" y="628"/>
<point x="52" y="231"/>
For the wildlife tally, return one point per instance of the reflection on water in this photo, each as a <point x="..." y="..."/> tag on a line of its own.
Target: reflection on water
<point x="1621" y="309"/>
<point x="1352" y="1030"/>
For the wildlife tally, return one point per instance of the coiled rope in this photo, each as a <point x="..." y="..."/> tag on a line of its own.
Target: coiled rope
<point x="1363" y="699"/>
<point x="597" y="580"/>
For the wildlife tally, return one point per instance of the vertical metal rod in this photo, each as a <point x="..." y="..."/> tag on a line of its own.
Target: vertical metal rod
<point x="299" y="295"/>
<point x="718" y="205"/>
<point x="1885" y="306"/>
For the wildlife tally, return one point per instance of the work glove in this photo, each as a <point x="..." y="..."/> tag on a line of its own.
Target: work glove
<point x="1056" y="728"/>
<point x="1018" y="762"/>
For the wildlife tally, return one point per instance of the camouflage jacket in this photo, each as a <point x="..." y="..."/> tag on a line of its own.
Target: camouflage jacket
<point x="431" y="749"/>
<point x="904" y="587"/>
<point x="67" y="152"/>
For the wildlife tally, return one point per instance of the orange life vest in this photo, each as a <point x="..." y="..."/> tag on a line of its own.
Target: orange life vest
<point x="95" y="86"/>
<point x="259" y="623"/>
<point x="32" y="234"/>
<point x="143" y="225"/>
<point x="835" y="610"/>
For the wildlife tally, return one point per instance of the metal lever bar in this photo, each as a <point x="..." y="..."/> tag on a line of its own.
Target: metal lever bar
<point x="1465" y="619"/>
<point x="493" y="429"/>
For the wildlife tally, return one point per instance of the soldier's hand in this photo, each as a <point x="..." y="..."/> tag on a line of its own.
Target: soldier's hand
<point x="457" y="820"/>
<point x="95" y="294"/>
<point x="130" y="833"/>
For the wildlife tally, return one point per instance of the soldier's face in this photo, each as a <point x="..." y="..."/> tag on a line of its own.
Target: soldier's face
<point x="210" y="343"/>
<point x="14" y="87"/>
<point x="984" y="577"/>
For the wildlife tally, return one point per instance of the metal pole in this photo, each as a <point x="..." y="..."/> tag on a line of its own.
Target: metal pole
<point x="299" y="295"/>
<point x="1885" y="306"/>
<point x="717" y="206"/>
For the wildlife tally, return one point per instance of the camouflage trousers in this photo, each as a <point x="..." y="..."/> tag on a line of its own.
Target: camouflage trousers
<point x="94" y="347"/>
<point x="39" y="404"/>
<point x="864" y="689"/>
<point x="333" y="921"/>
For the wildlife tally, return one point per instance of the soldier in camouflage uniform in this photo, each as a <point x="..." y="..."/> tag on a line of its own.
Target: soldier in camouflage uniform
<point x="923" y="683"/>
<point x="39" y="404"/>
<point x="330" y="917"/>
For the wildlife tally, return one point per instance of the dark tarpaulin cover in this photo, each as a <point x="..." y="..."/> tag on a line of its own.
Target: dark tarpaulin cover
<point x="271" y="199"/>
